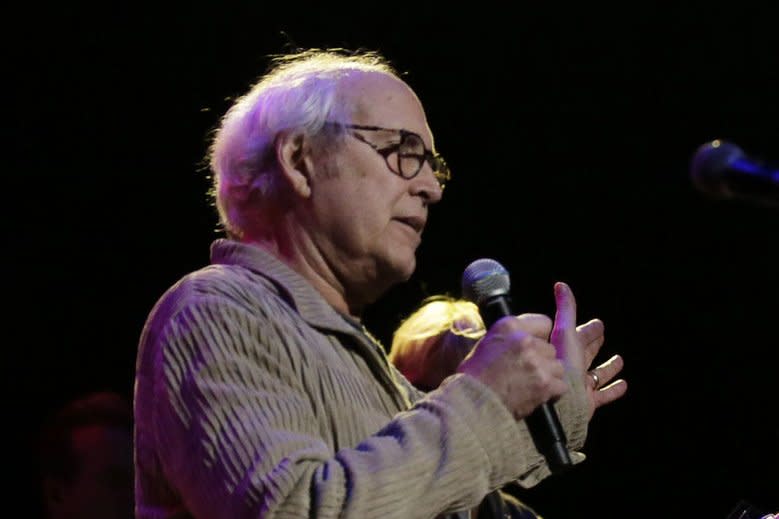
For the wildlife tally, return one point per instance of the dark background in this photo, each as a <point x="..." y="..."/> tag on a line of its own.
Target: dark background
<point x="569" y="132"/>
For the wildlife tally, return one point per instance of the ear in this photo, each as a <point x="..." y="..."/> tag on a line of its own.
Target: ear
<point x="292" y="154"/>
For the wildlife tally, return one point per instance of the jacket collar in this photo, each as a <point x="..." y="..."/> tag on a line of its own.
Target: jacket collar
<point x="292" y="287"/>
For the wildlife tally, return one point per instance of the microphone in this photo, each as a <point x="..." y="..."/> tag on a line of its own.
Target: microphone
<point x="722" y="170"/>
<point x="485" y="282"/>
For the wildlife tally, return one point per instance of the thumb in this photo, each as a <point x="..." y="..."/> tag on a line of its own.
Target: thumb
<point x="565" y="315"/>
<point x="564" y="334"/>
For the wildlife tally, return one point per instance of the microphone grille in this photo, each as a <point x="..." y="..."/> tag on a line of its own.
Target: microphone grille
<point x="709" y="164"/>
<point x="483" y="279"/>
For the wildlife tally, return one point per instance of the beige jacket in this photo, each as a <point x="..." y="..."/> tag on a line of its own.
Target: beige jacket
<point x="255" y="398"/>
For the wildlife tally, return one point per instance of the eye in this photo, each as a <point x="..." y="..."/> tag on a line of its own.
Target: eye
<point x="411" y="145"/>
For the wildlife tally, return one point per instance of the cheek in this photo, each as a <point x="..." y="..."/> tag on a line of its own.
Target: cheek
<point x="361" y="195"/>
<point x="371" y="202"/>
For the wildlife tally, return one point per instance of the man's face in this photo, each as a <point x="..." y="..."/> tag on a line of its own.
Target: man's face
<point x="370" y="219"/>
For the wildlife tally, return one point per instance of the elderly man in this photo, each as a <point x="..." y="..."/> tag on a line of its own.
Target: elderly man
<point x="259" y="393"/>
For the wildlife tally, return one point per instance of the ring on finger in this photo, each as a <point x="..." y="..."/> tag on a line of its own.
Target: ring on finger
<point x="595" y="379"/>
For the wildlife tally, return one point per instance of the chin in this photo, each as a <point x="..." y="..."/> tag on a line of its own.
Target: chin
<point x="407" y="268"/>
<point x="399" y="268"/>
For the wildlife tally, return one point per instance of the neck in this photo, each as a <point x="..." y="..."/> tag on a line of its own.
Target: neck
<point x="334" y="281"/>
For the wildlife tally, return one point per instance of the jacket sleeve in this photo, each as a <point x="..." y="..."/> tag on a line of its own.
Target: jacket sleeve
<point x="572" y="412"/>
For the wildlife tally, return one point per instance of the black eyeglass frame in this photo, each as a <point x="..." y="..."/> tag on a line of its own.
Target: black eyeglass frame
<point x="434" y="159"/>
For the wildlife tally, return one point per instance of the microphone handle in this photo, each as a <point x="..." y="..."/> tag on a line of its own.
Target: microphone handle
<point x="543" y="423"/>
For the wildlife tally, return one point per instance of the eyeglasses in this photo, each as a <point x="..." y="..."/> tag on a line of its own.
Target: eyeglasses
<point x="407" y="156"/>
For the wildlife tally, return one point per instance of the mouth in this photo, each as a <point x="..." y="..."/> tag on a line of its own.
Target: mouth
<point x="415" y="222"/>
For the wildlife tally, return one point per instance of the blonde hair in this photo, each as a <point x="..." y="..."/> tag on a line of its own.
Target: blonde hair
<point x="430" y="343"/>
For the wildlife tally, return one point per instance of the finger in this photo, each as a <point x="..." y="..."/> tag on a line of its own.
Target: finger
<point x="565" y="315"/>
<point x="609" y="369"/>
<point x="538" y="325"/>
<point x="610" y="393"/>
<point x="539" y="356"/>
<point x="591" y="331"/>
<point x="534" y="349"/>
<point x="591" y="337"/>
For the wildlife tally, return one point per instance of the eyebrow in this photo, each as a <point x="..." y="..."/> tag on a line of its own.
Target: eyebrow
<point x="399" y="131"/>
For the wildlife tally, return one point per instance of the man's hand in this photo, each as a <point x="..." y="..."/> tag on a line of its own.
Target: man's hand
<point x="516" y="360"/>
<point x="577" y="347"/>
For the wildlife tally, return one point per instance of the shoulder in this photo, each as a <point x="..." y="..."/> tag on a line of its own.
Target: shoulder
<point x="214" y="285"/>
<point x="216" y="294"/>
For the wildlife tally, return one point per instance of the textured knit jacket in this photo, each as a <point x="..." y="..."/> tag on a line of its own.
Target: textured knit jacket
<point x="255" y="398"/>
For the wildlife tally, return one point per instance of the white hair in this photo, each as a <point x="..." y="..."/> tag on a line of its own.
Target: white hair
<point x="301" y="91"/>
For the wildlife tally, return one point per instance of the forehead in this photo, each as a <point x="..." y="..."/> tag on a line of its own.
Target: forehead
<point x="384" y="100"/>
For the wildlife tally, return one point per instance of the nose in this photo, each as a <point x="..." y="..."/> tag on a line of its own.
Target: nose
<point x="426" y="186"/>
